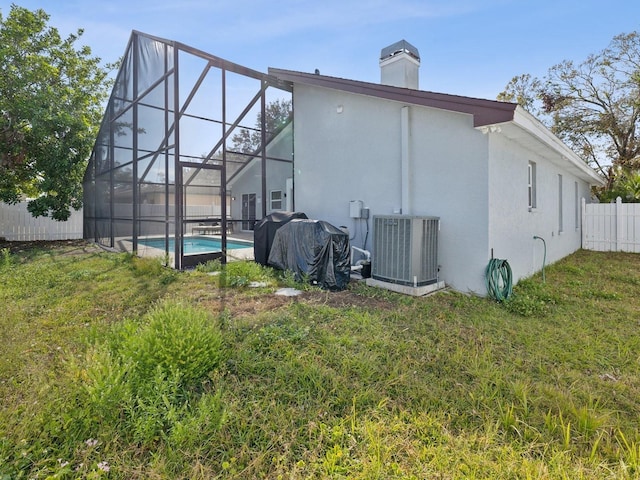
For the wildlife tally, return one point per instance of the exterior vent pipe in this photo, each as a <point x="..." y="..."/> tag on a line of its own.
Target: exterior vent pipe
<point x="405" y="164"/>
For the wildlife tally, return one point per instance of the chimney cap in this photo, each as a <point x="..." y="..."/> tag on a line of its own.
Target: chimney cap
<point x="399" y="47"/>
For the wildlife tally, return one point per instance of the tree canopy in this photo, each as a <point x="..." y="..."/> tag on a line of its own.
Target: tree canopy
<point x="594" y="106"/>
<point x="51" y="95"/>
<point x="277" y="116"/>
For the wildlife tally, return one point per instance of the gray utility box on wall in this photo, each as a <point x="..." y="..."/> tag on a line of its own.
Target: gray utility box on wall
<point x="405" y="249"/>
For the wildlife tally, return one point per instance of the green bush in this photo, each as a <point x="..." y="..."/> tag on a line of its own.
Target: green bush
<point x="179" y="340"/>
<point x="154" y="371"/>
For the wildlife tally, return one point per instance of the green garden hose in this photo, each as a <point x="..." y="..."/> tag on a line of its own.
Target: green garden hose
<point x="499" y="279"/>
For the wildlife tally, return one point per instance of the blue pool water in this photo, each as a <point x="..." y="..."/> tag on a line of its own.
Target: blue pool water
<point x="195" y="244"/>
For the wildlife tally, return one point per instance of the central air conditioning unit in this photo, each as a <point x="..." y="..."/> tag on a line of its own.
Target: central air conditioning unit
<point x="405" y="249"/>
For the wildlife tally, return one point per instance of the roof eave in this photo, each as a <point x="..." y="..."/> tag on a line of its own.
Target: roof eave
<point x="485" y="112"/>
<point x="531" y="124"/>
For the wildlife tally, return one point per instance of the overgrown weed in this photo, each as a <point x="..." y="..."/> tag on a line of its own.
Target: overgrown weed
<point x="5" y="258"/>
<point x="242" y="273"/>
<point x="532" y="298"/>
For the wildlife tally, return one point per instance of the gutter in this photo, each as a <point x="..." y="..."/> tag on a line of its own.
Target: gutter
<point x="531" y="124"/>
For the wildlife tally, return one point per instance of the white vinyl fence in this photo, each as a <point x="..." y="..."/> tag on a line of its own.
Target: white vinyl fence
<point x="17" y="224"/>
<point x="611" y="227"/>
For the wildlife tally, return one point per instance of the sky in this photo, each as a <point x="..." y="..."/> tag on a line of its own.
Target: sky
<point x="467" y="47"/>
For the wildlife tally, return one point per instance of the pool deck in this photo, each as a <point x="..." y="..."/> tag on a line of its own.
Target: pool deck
<point x="241" y="253"/>
<point x="245" y="236"/>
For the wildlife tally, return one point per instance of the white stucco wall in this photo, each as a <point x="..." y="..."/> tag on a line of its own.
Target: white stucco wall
<point x="250" y="178"/>
<point x="251" y="182"/>
<point x="449" y="179"/>
<point x="348" y="147"/>
<point x="512" y="225"/>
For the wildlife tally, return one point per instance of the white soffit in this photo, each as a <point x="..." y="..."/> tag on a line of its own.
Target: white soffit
<point x="530" y="133"/>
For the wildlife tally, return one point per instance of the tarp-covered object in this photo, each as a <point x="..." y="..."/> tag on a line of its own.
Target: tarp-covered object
<point x="313" y="249"/>
<point x="265" y="231"/>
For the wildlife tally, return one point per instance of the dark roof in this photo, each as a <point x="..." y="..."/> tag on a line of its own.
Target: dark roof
<point x="485" y="112"/>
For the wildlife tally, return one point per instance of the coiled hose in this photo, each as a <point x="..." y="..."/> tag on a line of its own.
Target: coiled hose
<point x="499" y="279"/>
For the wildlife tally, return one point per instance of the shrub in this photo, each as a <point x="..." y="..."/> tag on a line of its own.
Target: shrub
<point x="177" y="339"/>
<point x="154" y="372"/>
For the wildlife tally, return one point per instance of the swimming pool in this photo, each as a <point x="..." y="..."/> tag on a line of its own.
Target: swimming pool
<point x="195" y="244"/>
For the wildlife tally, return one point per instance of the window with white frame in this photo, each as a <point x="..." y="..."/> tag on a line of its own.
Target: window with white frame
<point x="531" y="185"/>
<point x="276" y="199"/>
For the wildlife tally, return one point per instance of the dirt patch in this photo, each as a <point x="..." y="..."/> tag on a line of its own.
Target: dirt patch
<point x="238" y="304"/>
<point x="345" y="299"/>
<point x="65" y="247"/>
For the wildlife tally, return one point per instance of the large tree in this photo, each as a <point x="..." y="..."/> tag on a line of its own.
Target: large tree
<point x="51" y="95"/>
<point x="594" y="106"/>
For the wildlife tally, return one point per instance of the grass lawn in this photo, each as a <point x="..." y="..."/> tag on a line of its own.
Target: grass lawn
<point x="116" y="367"/>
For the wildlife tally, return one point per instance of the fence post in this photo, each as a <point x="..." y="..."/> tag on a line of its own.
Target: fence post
<point x="619" y="229"/>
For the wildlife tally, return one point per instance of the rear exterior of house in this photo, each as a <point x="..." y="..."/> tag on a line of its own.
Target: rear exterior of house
<point x="356" y="155"/>
<point x="166" y="164"/>
<point x="493" y="174"/>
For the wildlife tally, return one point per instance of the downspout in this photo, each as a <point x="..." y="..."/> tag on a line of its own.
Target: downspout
<point x="405" y="167"/>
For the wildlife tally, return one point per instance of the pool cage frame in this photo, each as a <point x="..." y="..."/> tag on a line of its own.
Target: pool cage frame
<point x="144" y="172"/>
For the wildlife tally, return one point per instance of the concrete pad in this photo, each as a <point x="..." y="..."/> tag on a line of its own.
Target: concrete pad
<point x="406" y="289"/>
